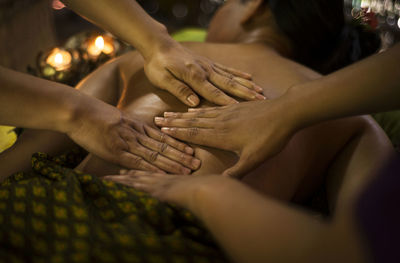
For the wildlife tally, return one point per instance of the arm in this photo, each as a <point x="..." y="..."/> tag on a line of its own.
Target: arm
<point x="35" y="103"/>
<point x="248" y="226"/>
<point x="126" y="19"/>
<point x="368" y="86"/>
<point x="98" y="127"/>
<point x="168" y="65"/>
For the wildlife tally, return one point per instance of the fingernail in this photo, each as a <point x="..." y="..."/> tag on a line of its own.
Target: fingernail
<point x="189" y="150"/>
<point x="258" y="88"/>
<point x="193" y="100"/>
<point x="169" y="114"/>
<point x="260" y="97"/>
<point x="166" y="130"/>
<point x="196" y="163"/>
<point x="158" y="120"/>
<point x="186" y="171"/>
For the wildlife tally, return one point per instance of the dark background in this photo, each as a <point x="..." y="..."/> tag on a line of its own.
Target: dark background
<point x="174" y="14"/>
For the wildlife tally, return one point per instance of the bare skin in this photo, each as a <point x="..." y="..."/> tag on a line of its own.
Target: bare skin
<point x="123" y="83"/>
<point x="309" y="153"/>
<point x="168" y="65"/>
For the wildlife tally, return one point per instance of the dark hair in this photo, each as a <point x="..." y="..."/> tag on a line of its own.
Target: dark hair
<point x="321" y="38"/>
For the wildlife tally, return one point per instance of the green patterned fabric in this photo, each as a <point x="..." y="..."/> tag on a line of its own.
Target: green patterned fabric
<point x="56" y="214"/>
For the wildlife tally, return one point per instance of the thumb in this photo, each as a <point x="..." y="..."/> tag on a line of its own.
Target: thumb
<point x="244" y="165"/>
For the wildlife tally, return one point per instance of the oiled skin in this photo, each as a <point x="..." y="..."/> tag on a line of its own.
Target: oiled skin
<point x="293" y="174"/>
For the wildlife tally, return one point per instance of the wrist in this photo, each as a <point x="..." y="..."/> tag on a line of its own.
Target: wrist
<point x="295" y="107"/>
<point x="159" y="41"/>
<point x="75" y="110"/>
<point x="205" y="192"/>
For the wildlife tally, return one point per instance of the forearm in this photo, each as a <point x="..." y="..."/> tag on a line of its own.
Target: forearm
<point x="252" y="228"/>
<point x="371" y="85"/>
<point x="30" y="102"/>
<point x="126" y="19"/>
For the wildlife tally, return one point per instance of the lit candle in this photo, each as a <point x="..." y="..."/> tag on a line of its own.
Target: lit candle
<point x="59" y="65"/>
<point x="60" y="59"/>
<point x="100" y="44"/>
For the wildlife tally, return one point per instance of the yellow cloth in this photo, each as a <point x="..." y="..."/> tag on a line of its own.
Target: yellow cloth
<point x="7" y="137"/>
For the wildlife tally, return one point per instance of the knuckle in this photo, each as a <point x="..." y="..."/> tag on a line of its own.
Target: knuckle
<point x="137" y="161"/>
<point x="192" y="120"/>
<point x="153" y="156"/>
<point x="181" y="90"/>
<point x="163" y="137"/>
<point x="183" y="158"/>
<point x="230" y="83"/>
<point x="197" y="76"/>
<point x="216" y="93"/>
<point x="201" y="113"/>
<point x="193" y="132"/>
<point x="163" y="147"/>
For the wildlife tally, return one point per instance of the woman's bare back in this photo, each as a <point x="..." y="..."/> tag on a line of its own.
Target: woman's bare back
<point x="302" y="163"/>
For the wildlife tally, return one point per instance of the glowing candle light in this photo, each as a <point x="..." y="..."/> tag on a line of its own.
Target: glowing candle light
<point x="99" y="42"/>
<point x="100" y="45"/>
<point x="59" y="59"/>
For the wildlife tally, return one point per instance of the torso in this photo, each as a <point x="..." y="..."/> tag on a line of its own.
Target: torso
<point x="306" y="157"/>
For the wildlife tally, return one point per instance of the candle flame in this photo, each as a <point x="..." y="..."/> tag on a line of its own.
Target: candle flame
<point x="99" y="42"/>
<point x="58" y="58"/>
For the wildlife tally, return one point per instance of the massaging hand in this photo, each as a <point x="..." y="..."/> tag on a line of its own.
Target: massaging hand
<point x="176" y="189"/>
<point x="177" y="70"/>
<point x="255" y="131"/>
<point x="112" y="135"/>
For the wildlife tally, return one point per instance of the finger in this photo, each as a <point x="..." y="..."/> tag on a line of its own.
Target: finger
<point x="181" y="91"/>
<point x="171" y="153"/>
<point x="158" y="160"/>
<point x="197" y="78"/>
<point x="138" y="173"/>
<point x="163" y="138"/>
<point x="189" y="115"/>
<point x="199" y="136"/>
<point x="232" y="87"/>
<point x="249" y="84"/>
<point x="131" y="182"/>
<point x="245" y="82"/>
<point x="132" y="161"/>
<point x="146" y="174"/>
<point x="185" y="123"/>
<point x="213" y="94"/>
<point x="243" y="166"/>
<point x="233" y="71"/>
<point x="207" y="109"/>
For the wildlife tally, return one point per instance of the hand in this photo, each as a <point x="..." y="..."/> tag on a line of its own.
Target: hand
<point x="176" y="189"/>
<point x="255" y="131"/>
<point x="110" y="134"/>
<point x="178" y="71"/>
